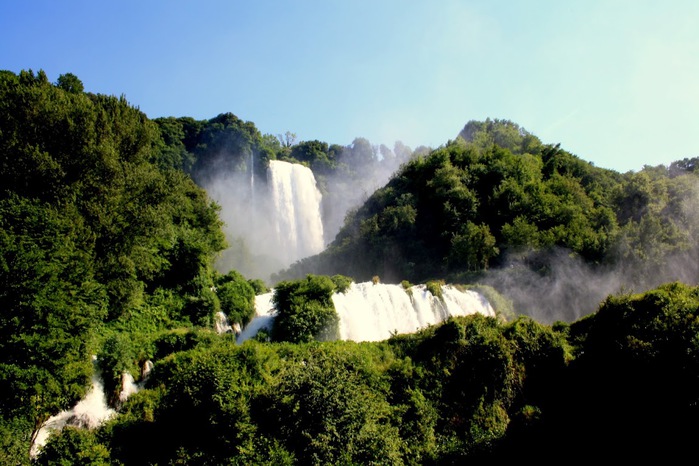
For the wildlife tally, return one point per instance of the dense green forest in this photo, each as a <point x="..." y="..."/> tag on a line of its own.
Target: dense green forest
<point x="109" y="244"/>
<point x="498" y="206"/>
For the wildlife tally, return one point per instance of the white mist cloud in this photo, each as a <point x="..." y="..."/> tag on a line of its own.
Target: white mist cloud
<point x="569" y="288"/>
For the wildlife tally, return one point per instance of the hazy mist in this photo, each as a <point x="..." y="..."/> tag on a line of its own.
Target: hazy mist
<point x="549" y="286"/>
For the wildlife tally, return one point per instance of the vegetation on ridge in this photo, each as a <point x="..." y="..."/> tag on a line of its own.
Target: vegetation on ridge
<point x="499" y="207"/>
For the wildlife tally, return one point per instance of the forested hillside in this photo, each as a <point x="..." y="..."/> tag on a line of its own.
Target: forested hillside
<point x="108" y="250"/>
<point x="229" y="158"/>
<point x="98" y="235"/>
<point x="548" y="229"/>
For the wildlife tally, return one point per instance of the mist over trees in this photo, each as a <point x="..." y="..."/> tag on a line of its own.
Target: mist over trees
<point x="498" y="206"/>
<point x="229" y="158"/>
<point x="112" y="246"/>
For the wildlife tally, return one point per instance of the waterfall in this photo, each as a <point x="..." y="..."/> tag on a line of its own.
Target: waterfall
<point x="222" y="325"/>
<point x="297" y="221"/>
<point x="93" y="410"/>
<point x="373" y="312"/>
<point x="269" y="225"/>
<point x="129" y="386"/>
<point x="89" y="413"/>
<point x="264" y="315"/>
<point x="252" y="180"/>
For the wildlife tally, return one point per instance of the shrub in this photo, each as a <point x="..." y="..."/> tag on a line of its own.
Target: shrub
<point x="305" y="311"/>
<point x="237" y="297"/>
<point x="342" y="283"/>
<point x="435" y="287"/>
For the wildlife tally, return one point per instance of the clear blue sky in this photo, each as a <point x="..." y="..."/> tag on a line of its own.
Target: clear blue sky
<point x="615" y="82"/>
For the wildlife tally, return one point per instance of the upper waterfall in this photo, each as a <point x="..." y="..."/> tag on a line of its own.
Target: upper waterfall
<point x="271" y="224"/>
<point x="297" y="221"/>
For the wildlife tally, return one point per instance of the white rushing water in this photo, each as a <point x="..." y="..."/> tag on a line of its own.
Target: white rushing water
<point x="278" y="221"/>
<point x="366" y="311"/>
<point x="373" y="312"/>
<point x="264" y="316"/>
<point x="223" y="325"/>
<point x="93" y="409"/>
<point x="89" y="413"/>
<point x="297" y="220"/>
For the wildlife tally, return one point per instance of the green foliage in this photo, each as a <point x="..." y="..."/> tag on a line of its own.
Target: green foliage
<point x="258" y="285"/>
<point x="101" y="241"/>
<point x="327" y="410"/>
<point x="503" y="133"/>
<point x="15" y="440"/>
<point x="180" y="339"/>
<point x="341" y="283"/>
<point x="304" y="310"/>
<point x="315" y="154"/>
<point x="521" y="234"/>
<point x="237" y="297"/>
<point x="116" y="357"/>
<point x="74" y="446"/>
<point x="468" y="390"/>
<point x="473" y="248"/>
<point x="149" y="227"/>
<point x="224" y="143"/>
<point x="51" y="305"/>
<point x="636" y="368"/>
<point x="408" y="287"/>
<point x="204" y="414"/>
<point x="435" y="288"/>
<point x="70" y="83"/>
<point x="471" y="204"/>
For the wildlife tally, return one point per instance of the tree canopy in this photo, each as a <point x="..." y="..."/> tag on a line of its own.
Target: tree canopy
<point x="497" y="205"/>
<point x="93" y="226"/>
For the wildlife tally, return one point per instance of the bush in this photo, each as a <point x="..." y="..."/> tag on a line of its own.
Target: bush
<point x="258" y="285"/>
<point x="408" y="287"/>
<point x="328" y="409"/>
<point x="342" y="283"/>
<point x="305" y="311"/>
<point x="435" y="287"/>
<point x="237" y="297"/>
<point x="74" y="446"/>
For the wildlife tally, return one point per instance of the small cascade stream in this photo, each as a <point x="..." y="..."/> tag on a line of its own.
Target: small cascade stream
<point x="93" y="410"/>
<point x="264" y="317"/>
<point x="89" y="412"/>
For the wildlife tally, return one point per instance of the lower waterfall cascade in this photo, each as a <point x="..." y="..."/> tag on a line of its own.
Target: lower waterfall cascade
<point x="373" y="312"/>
